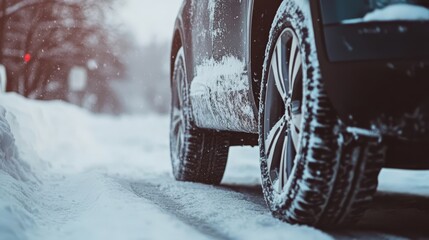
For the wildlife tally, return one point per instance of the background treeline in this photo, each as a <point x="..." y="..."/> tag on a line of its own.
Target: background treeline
<point x="41" y="41"/>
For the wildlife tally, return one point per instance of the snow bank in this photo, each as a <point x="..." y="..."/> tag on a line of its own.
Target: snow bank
<point x="17" y="186"/>
<point x="58" y="138"/>
<point x="78" y="158"/>
<point x="11" y="163"/>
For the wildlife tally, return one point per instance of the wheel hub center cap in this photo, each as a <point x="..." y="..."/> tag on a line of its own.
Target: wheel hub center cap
<point x="288" y="108"/>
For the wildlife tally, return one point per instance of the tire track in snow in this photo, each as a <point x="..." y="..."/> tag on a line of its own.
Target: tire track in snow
<point x="391" y="216"/>
<point x="221" y="212"/>
<point x="250" y="193"/>
<point x="153" y="193"/>
<point x="367" y="228"/>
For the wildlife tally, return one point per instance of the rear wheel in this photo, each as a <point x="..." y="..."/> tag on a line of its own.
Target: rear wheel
<point x="313" y="173"/>
<point x="197" y="155"/>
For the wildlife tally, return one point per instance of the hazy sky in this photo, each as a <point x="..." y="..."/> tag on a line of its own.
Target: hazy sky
<point x="150" y="19"/>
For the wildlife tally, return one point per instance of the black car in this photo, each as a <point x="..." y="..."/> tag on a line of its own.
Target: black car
<point x="332" y="91"/>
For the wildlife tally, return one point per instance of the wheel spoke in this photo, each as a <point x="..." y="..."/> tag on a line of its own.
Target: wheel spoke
<point x="290" y="153"/>
<point x="293" y="58"/>
<point x="294" y="129"/>
<point x="179" y="87"/>
<point x="275" y="136"/>
<point x="296" y="69"/>
<point x="177" y="117"/>
<point x="179" y="140"/>
<point x="295" y="65"/>
<point x="283" y="163"/>
<point x="277" y="67"/>
<point x="281" y="61"/>
<point x="296" y="120"/>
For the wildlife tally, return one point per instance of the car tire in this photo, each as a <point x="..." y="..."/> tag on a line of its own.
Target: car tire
<point x="313" y="172"/>
<point x="197" y="155"/>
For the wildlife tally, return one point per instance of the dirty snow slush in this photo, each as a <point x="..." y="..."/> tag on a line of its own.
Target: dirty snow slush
<point x="68" y="174"/>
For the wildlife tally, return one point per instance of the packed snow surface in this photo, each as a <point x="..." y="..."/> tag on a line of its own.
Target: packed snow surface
<point x="68" y="174"/>
<point x="395" y="12"/>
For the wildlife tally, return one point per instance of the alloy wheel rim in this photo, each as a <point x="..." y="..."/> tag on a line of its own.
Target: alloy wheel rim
<point x="282" y="110"/>
<point x="177" y="116"/>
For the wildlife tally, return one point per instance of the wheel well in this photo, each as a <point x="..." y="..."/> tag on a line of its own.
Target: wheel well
<point x="262" y="19"/>
<point x="177" y="44"/>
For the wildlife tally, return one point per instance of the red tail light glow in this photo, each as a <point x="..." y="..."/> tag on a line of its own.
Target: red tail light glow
<point x="27" y="57"/>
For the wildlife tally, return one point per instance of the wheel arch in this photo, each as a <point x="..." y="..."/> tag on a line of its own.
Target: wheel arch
<point x="177" y="43"/>
<point x="262" y="16"/>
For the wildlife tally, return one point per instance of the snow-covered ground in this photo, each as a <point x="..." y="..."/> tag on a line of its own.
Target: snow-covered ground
<point x="68" y="174"/>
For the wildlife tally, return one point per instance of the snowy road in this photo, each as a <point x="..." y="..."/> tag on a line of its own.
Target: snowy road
<point x="392" y="216"/>
<point x="74" y="175"/>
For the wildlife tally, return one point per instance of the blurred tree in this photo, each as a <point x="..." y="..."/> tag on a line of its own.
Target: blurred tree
<point x="148" y="70"/>
<point x="59" y="35"/>
<point x="156" y="74"/>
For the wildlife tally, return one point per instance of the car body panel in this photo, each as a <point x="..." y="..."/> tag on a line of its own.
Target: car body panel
<point x="216" y="33"/>
<point x="368" y="59"/>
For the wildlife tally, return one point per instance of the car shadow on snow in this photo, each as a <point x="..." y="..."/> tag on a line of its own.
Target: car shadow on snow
<point x="390" y="215"/>
<point x="398" y="214"/>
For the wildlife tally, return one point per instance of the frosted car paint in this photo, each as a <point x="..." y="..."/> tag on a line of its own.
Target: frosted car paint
<point x="220" y="87"/>
<point x="218" y="29"/>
